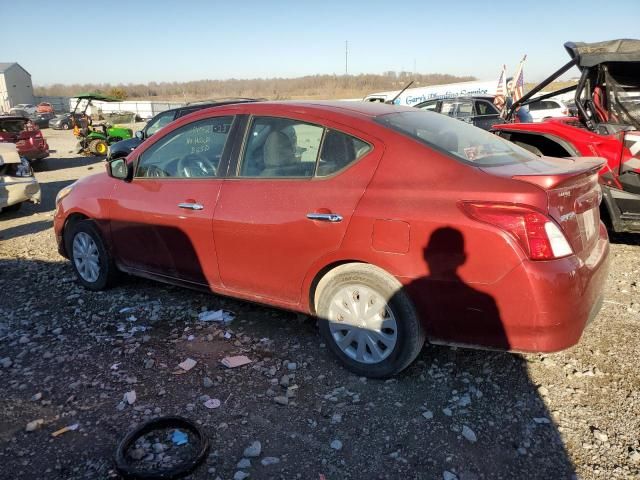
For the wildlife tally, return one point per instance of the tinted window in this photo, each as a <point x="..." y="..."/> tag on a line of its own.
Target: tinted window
<point x="486" y="108"/>
<point x="338" y="151"/>
<point x="459" y="139"/>
<point x="193" y="150"/>
<point x="432" y="106"/>
<point x="280" y="147"/>
<point x="159" y="122"/>
<point x="457" y="108"/>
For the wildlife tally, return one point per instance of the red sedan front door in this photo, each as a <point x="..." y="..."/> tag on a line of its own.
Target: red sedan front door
<point x="161" y="221"/>
<point x="296" y="188"/>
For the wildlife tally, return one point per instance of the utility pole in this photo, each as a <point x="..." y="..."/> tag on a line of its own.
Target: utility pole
<point x="346" y="57"/>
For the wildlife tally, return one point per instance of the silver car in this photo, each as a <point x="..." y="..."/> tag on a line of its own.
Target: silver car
<point x="17" y="182"/>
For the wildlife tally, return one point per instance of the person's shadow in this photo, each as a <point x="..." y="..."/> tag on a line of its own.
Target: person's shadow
<point x="516" y="434"/>
<point x="452" y="310"/>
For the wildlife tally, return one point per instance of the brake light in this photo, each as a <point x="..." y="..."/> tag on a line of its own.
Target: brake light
<point x="564" y="111"/>
<point x="537" y="234"/>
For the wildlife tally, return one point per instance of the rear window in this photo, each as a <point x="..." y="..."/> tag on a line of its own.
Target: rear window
<point x="12" y="126"/>
<point x="459" y="139"/>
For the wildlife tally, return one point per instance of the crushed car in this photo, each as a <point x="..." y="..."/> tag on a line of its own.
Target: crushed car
<point x="17" y="182"/>
<point x="607" y="124"/>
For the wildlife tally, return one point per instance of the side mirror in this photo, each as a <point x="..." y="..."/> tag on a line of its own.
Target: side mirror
<point x="140" y="135"/>
<point x="119" y="169"/>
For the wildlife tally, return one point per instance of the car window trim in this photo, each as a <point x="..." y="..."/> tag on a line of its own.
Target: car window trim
<point x="223" y="159"/>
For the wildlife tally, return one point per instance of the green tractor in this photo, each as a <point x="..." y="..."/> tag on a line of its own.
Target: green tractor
<point x="95" y="139"/>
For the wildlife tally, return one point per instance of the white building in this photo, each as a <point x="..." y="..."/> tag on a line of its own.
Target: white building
<point x="15" y="86"/>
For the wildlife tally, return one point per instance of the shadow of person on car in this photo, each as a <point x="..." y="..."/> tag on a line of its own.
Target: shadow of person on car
<point x="490" y="419"/>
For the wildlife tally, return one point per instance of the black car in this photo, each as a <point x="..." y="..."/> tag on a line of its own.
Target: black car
<point x="124" y="147"/>
<point x="64" y="121"/>
<point x="477" y="110"/>
<point x="43" y="119"/>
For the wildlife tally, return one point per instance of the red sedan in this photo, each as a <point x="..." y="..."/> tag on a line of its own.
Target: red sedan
<point x="26" y="135"/>
<point x="390" y="224"/>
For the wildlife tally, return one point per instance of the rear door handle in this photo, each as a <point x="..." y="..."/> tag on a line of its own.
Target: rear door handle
<point x="191" y="206"/>
<point x="325" y="217"/>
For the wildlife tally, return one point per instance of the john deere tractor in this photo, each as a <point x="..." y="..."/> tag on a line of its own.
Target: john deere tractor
<point x="96" y="138"/>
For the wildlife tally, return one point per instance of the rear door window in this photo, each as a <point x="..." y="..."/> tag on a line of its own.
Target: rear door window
<point x="281" y="147"/>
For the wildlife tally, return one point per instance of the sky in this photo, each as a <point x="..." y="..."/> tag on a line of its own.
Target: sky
<point x="181" y="40"/>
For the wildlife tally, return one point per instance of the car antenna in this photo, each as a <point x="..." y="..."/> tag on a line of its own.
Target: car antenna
<point x="392" y="101"/>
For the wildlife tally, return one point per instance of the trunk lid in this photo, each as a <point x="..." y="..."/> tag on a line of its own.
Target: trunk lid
<point x="573" y="194"/>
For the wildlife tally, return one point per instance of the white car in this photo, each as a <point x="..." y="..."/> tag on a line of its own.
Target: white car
<point x="27" y="107"/>
<point x="17" y="183"/>
<point x="547" y="109"/>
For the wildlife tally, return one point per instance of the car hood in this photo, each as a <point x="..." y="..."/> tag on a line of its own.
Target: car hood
<point x="124" y="146"/>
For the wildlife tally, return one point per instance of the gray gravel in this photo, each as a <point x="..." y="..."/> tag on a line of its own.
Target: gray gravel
<point x="69" y="356"/>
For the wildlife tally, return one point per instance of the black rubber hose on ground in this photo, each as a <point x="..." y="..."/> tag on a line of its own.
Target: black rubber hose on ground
<point x="181" y="470"/>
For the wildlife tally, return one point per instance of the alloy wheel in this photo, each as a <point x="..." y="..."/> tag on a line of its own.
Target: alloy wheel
<point x="86" y="257"/>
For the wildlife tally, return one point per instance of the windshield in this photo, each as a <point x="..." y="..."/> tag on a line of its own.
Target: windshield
<point x="462" y="140"/>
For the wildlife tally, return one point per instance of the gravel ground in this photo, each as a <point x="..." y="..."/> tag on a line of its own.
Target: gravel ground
<point x="70" y="356"/>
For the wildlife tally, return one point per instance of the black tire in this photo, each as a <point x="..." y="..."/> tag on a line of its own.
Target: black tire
<point x="410" y="335"/>
<point x="107" y="273"/>
<point x="65" y="126"/>
<point x="129" y="471"/>
<point x="12" y="208"/>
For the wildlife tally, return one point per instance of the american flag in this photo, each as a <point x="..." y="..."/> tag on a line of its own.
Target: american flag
<point x="500" y="98"/>
<point x="518" y="82"/>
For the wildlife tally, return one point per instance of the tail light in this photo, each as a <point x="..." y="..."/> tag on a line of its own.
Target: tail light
<point x="538" y="235"/>
<point x="564" y="111"/>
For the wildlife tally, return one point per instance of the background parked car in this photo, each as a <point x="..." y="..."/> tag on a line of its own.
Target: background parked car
<point x="42" y="119"/>
<point x="548" y="108"/>
<point x="26" y="136"/>
<point x="478" y="110"/>
<point x="63" y="121"/>
<point x="30" y="109"/>
<point x="44" y="107"/>
<point x="17" y="183"/>
<point x="124" y="147"/>
<point x="389" y="224"/>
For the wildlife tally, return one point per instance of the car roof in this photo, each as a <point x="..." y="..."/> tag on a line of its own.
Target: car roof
<point x="13" y="117"/>
<point x="355" y="108"/>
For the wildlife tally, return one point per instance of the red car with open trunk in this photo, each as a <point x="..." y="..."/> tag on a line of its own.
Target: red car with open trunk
<point x="389" y="224"/>
<point x="28" y="138"/>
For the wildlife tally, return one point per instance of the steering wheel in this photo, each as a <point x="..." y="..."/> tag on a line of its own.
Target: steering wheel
<point x="195" y="165"/>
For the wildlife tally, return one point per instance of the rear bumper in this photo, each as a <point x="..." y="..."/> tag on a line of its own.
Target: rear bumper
<point x="537" y="307"/>
<point x="18" y="191"/>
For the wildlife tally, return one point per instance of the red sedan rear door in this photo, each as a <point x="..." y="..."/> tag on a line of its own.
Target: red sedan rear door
<point x="296" y="186"/>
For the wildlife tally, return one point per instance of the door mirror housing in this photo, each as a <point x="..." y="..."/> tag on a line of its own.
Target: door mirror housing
<point x="120" y="169"/>
<point x="140" y="135"/>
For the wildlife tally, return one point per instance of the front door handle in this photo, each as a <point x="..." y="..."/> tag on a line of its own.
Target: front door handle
<point x="191" y="206"/>
<point x="325" y="217"/>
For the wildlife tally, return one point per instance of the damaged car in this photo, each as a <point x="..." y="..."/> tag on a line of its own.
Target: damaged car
<point x="26" y="136"/>
<point x="17" y="182"/>
<point x="607" y="124"/>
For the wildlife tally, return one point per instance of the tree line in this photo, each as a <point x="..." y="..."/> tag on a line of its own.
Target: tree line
<point x="310" y="86"/>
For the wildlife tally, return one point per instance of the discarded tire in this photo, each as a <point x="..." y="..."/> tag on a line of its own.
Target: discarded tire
<point x="128" y="471"/>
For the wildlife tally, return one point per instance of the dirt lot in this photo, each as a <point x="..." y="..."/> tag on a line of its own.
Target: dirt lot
<point x="69" y="356"/>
